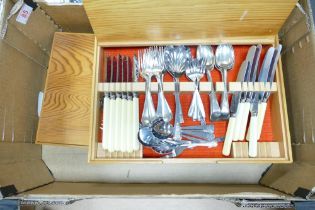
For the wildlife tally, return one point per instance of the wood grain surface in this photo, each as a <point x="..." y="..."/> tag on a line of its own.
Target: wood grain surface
<point x="143" y="20"/>
<point x="65" y="116"/>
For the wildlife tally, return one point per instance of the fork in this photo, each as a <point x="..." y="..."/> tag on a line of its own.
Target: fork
<point x="146" y="62"/>
<point x="195" y="71"/>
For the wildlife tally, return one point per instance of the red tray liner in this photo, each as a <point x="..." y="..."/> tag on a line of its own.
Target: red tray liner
<point x="220" y="127"/>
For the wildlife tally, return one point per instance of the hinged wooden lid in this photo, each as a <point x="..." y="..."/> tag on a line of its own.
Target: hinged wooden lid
<point x="163" y="20"/>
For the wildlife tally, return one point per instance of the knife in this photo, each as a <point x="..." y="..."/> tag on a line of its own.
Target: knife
<point x="118" y="107"/>
<point x="106" y="107"/>
<point x="111" y="118"/>
<point x="127" y="146"/>
<point x="124" y="105"/>
<point x="263" y="101"/>
<point x="135" y="112"/>
<point x="252" y="78"/>
<point x="249" y="58"/>
<point x="233" y="110"/>
<point x="252" y="134"/>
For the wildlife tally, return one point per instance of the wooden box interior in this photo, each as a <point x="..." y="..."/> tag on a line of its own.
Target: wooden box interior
<point x="275" y="126"/>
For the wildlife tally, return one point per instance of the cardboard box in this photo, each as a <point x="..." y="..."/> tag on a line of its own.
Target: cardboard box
<point x="25" y="176"/>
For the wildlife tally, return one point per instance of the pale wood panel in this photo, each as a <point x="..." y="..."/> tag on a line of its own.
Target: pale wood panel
<point x="264" y="150"/>
<point x="187" y="87"/>
<point x="65" y="116"/>
<point x="142" y="20"/>
<point x="105" y="154"/>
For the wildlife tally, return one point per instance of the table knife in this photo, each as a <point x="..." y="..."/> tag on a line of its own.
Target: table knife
<point x="252" y="78"/>
<point x="124" y="106"/>
<point x="263" y="102"/>
<point x="239" y="116"/>
<point x="106" y="108"/>
<point x="129" y="122"/>
<point x="135" y="112"/>
<point x="233" y="110"/>
<point x="111" y="118"/>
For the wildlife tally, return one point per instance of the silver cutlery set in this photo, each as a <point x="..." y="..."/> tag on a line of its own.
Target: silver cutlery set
<point x="254" y="103"/>
<point x="177" y="60"/>
<point x="120" y="109"/>
<point x="156" y="130"/>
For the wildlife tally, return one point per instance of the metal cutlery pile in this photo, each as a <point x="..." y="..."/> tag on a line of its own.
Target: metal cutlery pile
<point x="177" y="60"/>
<point x="120" y="115"/>
<point x="120" y="109"/>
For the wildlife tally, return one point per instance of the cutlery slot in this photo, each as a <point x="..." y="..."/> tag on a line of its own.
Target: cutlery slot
<point x="274" y="135"/>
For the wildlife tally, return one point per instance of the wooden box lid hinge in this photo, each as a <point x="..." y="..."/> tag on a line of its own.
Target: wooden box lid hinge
<point x="304" y="193"/>
<point x="7" y="191"/>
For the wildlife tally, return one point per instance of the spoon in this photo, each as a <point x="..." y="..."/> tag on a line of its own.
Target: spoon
<point x="162" y="130"/>
<point x="148" y="138"/>
<point x="169" y="148"/>
<point x="176" y="61"/>
<point x="224" y="58"/>
<point x="206" y="53"/>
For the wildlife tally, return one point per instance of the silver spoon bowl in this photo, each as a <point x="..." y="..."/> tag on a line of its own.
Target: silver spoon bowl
<point x="195" y="72"/>
<point x="224" y="58"/>
<point x="176" y="61"/>
<point x="162" y="130"/>
<point x="206" y="53"/>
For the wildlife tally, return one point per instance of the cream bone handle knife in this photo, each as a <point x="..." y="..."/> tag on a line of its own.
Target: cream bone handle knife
<point x="106" y="108"/>
<point x="117" y="111"/>
<point x="248" y="96"/>
<point x="240" y="108"/>
<point x="111" y="117"/>
<point x="233" y="110"/>
<point x="124" y="105"/>
<point x="269" y="75"/>
<point x="252" y="136"/>
<point x="135" y="113"/>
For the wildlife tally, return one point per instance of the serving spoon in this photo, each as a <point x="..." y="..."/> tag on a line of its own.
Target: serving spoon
<point x="224" y="61"/>
<point x="206" y="53"/>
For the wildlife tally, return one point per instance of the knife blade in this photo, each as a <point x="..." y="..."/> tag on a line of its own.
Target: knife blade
<point x="265" y="68"/>
<point x="254" y="69"/>
<point x="249" y="58"/>
<point x="236" y="96"/>
<point x="272" y="70"/>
